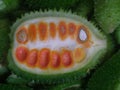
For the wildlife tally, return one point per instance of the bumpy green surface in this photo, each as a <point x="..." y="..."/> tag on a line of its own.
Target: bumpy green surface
<point x="75" y="85"/>
<point x="48" y="4"/>
<point x="4" y="38"/>
<point x="13" y="87"/>
<point x="8" y="5"/>
<point x="107" y="14"/>
<point x="117" y="34"/>
<point x="13" y="79"/>
<point x="83" y="7"/>
<point x="4" y="72"/>
<point x="57" y="78"/>
<point x="107" y="77"/>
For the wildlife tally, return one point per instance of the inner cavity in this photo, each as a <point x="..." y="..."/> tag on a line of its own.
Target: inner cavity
<point x="53" y="44"/>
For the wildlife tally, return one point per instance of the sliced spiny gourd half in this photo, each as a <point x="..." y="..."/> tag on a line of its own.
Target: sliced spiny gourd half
<point x="54" y="46"/>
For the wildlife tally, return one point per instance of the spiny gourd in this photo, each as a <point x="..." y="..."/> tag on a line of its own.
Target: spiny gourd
<point x="4" y="38"/>
<point x="107" y="14"/>
<point x="55" y="46"/>
<point x="76" y="85"/>
<point x="14" y="79"/>
<point x="49" y="4"/>
<point x="107" y="77"/>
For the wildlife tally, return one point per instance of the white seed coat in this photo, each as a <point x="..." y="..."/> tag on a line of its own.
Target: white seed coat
<point x="82" y="35"/>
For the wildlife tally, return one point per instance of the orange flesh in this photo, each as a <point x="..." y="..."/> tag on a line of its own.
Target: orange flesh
<point x="43" y="32"/>
<point x="43" y="58"/>
<point x="21" y="53"/>
<point x="22" y="36"/>
<point x="55" y="59"/>
<point x="62" y="29"/>
<point x="79" y="54"/>
<point x="71" y="29"/>
<point x="32" y="32"/>
<point x="32" y="58"/>
<point x="52" y="29"/>
<point x="66" y="58"/>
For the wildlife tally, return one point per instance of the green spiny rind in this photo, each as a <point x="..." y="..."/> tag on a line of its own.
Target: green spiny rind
<point x="107" y="14"/>
<point x="14" y="79"/>
<point x="56" y="78"/>
<point x="67" y="86"/>
<point x="13" y="87"/>
<point x="107" y="76"/>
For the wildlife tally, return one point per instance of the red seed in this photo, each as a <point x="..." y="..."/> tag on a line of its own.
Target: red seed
<point x="66" y="58"/>
<point x="32" y="58"/>
<point x="55" y="59"/>
<point x="21" y="53"/>
<point x="43" y="58"/>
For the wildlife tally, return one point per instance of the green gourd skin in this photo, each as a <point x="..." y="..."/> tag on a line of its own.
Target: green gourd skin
<point x="83" y="8"/>
<point x="75" y="85"/>
<point x="8" y="5"/>
<point x="4" y="72"/>
<point x="107" y="14"/>
<point x="14" y="79"/>
<point x="117" y="34"/>
<point x="4" y="38"/>
<point x="107" y="76"/>
<point x="4" y="46"/>
<point x="13" y="87"/>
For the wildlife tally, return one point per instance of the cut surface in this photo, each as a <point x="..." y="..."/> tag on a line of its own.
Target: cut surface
<point x="73" y="51"/>
<point x="54" y="43"/>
